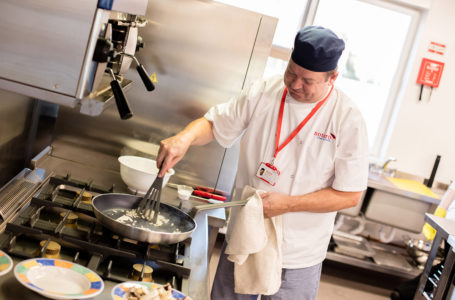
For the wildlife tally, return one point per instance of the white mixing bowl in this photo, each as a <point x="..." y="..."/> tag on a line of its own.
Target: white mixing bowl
<point x="138" y="173"/>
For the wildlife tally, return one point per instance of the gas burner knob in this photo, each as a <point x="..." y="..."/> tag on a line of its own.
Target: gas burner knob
<point x="71" y="220"/>
<point x="137" y="271"/>
<point x="52" y="250"/>
<point x="86" y="197"/>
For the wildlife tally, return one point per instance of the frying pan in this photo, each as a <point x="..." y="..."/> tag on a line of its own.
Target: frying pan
<point x="117" y="212"/>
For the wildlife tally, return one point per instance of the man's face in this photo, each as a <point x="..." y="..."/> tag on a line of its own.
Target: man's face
<point x="305" y="85"/>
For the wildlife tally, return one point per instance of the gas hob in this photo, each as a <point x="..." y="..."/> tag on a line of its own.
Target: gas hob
<point x="58" y="222"/>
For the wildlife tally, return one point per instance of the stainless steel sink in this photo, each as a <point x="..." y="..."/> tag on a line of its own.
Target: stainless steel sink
<point x="399" y="207"/>
<point x="378" y="180"/>
<point x="391" y="205"/>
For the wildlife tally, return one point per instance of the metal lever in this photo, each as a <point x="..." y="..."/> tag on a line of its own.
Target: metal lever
<point x="142" y="72"/>
<point x="198" y="208"/>
<point x="120" y="99"/>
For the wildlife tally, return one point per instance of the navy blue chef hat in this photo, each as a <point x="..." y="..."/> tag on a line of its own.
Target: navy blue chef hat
<point x="317" y="49"/>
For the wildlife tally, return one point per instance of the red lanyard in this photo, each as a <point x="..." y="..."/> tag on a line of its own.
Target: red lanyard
<point x="278" y="148"/>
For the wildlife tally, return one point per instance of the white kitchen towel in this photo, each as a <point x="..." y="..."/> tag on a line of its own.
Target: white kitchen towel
<point x="254" y="246"/>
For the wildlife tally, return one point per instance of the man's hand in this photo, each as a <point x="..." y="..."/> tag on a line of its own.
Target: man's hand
<point x="171" y="152"/>
<point x="198" y="132"/>
<point x="274" y="204"/>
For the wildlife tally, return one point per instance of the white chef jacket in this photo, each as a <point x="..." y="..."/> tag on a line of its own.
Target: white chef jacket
<point x="331" y="150"/>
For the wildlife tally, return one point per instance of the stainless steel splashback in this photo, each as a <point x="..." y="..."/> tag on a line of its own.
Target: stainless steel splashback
<point x="15" y="114"/>
<point x="198" y="64"/>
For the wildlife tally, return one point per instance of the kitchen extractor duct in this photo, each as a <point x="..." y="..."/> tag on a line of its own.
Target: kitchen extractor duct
<point x="72" y="53"/>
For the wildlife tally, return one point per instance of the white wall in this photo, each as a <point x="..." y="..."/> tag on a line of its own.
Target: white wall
<point x="427" y="128"/>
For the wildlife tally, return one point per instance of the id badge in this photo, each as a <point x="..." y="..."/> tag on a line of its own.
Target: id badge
<point x="268" y="172"/>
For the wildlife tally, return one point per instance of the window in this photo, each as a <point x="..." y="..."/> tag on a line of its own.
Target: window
<point x="375" y="37"/>
<point x="378" y="36"/>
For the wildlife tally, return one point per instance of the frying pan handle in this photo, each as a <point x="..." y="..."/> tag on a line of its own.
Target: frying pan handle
<point x="198" y="208"/>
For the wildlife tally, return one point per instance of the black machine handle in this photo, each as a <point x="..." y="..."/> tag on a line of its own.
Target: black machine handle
<point x="145" y="78"/>
<point x="121" y="101"/>
<point x="142" y="72"/>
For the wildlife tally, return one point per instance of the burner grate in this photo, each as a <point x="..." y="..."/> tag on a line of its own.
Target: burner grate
<point x="50" y="217"/>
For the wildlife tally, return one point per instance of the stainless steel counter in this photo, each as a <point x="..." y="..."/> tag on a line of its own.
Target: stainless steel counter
<point x="380" y="182"/>
<point x="401" y="207"/>
<point x="444" y="227"/>
<point x="379" y="185"/>
<point x="201" y="247"/>
<point x="388" y="260"/>
<point x="208" y="224"/>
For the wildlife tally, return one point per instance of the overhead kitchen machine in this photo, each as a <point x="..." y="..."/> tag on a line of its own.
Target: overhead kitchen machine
<point x="72" y="53"/>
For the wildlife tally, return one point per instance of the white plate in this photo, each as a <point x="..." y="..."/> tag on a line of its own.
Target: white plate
<point x="6" y="263"/>
<point x="58" y="279"/>
<point x="119" y="291"/>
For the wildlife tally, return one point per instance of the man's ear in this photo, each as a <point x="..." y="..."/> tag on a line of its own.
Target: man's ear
<point x="333" y="78"/>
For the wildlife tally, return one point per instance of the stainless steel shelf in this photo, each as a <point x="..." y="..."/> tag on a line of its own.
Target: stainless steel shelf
<point x="372" y="266"/>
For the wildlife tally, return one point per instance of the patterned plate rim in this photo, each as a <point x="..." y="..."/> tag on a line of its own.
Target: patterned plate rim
<point x="118" y="293"/>
<point x="22" y="268"/>
<point x="10" y="263"/>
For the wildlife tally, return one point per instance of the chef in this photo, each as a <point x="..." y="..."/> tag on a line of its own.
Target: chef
<point x="304" y="142"/>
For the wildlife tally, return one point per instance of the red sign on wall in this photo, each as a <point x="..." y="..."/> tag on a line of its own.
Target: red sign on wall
<point x="436" y="48"/>
<point x="430" y="72"/>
